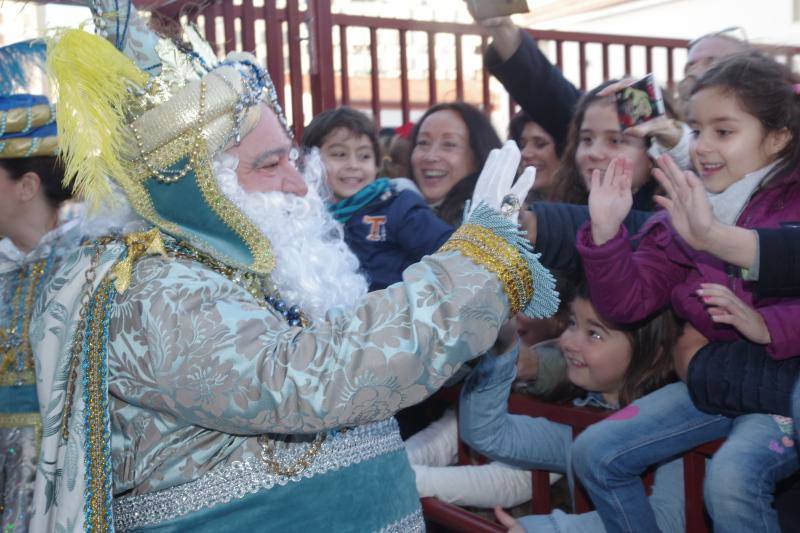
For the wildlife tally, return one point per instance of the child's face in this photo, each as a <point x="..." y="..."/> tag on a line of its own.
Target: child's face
<point x="597" y="356"/>
<point x="349" y="162"/>
<point x="601" y="141"/>
<point x="728" y="142"/>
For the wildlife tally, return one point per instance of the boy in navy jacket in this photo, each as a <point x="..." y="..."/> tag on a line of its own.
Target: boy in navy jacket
<point x="387" y="227"/>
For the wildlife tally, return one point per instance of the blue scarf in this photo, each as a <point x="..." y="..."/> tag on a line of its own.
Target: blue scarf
<point x="343" y="210"/>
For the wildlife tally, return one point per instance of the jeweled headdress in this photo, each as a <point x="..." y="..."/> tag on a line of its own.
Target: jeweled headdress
<point x="27" y="121"/>
<point x="152" y="119"/>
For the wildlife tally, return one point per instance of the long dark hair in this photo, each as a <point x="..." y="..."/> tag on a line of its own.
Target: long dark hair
<point x="50" y="170"/>
<point x="482" y="140"/>
<point x="569" y="184"/>
<point x="766" y="90"/>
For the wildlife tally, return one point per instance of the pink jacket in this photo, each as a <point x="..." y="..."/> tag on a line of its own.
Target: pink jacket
<point x="627" y="286"/>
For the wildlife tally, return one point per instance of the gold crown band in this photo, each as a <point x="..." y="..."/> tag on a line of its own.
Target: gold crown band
<point x="28" y="147"/>
<point x="22" y="119"/>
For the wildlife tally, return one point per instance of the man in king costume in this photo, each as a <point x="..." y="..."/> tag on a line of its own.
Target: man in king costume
<point x="219" y="364"/>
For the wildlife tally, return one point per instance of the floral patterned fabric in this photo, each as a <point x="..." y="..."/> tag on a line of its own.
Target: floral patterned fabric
<point x="197" y="368"/>
<point x="19" y="416"/>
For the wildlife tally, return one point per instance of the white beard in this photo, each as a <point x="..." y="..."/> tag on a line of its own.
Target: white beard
<point x="314" y="267"/>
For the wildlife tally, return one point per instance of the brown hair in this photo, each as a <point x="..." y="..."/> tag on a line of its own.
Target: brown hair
<point x="569" y="185"/>
<point x="356" y="122"/>
<point x="652" y="342"/>
<point x="766" y="90"/>
<point x="50" y="170"/>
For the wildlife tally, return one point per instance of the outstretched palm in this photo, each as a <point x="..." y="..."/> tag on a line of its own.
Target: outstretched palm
<point x="610" y="199"/>
<point x="686" y="201"/>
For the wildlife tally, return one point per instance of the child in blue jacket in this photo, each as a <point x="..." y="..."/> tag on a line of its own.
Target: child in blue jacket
<point x="388" y="228"/>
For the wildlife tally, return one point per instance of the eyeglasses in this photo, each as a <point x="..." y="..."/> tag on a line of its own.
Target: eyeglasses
<point x="731" y="32"/>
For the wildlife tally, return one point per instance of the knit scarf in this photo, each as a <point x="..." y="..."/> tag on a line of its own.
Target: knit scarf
<point x="343" y="210"/>
<point x="729" y="204"/>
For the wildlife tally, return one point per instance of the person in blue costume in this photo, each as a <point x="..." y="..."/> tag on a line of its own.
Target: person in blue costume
<point x="37" y="235"/>
<point x="388" y="228"/>
<point x="221" y="366"/>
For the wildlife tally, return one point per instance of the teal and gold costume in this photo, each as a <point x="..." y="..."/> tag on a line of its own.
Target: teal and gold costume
<point x="27" y="129"/>
<point x="185" y="395"/>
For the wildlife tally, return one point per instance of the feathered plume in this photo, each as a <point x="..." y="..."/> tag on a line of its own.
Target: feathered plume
<point x="16" y="62"/>
<point x="94" y="81"/>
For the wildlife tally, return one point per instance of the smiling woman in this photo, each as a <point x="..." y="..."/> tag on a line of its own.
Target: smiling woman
<point x="450" y="144"/>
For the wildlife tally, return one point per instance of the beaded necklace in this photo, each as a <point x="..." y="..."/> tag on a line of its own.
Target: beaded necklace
<point x="16" y="356"/>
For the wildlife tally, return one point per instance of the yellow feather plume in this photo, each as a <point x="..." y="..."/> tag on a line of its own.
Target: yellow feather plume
<point x="94" y="81"/>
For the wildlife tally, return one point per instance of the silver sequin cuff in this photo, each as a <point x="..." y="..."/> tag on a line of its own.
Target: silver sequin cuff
<point x="240" y="478"/>
<point x="413" y="523"/>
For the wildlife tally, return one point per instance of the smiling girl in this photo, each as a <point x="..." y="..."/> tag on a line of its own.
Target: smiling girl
<point x="745" y="117"/>
<point x="612" y="365"/>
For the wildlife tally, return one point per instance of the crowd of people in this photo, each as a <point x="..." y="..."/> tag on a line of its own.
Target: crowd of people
<point x="206" y="326"/>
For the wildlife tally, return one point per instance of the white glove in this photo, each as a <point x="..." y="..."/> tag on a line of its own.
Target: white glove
<point x="494" y="184"/>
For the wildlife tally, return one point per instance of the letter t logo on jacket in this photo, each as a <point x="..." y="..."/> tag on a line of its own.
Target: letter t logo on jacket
<point x="377" y="230"/>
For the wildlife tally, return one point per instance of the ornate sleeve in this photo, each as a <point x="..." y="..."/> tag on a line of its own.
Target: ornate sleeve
<point x="185" y="340"/>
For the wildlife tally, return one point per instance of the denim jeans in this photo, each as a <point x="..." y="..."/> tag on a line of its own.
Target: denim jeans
<point x="609" y="458"/>
<point x="527" y="442"/>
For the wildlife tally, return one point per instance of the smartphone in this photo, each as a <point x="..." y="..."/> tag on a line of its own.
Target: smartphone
<point x="486" y="9"/>
<point x="639" y="102"/>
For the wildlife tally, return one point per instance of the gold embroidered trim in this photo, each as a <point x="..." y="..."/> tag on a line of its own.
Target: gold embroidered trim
<point x="495" y="254"/>
<point x="97" y="407"/>
<point x="139" y="244"/>
<point x="15" y="344"/>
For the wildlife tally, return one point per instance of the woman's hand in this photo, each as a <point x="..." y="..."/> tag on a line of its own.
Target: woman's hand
<point x="507" y="520"/>
<point x="727" y="308"/>
<point x="686" y="202"/>
<point x="610" y="199"/>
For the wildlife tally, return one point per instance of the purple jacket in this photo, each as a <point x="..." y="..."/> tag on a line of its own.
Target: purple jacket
<point x="627" y="286"/>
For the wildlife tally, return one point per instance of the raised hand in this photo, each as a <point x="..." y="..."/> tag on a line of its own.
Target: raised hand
<point x="494" y="186"/>
<point x="687" y="203"/>
<point x="610" y="199"/>
<point x="727" y="308"/>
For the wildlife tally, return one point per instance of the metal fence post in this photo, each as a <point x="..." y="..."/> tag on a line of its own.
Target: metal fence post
<point x="320" y="26"/>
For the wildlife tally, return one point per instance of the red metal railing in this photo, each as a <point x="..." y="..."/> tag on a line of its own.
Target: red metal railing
<point x="285" y="43"/>
<point x="309" y="62"/>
